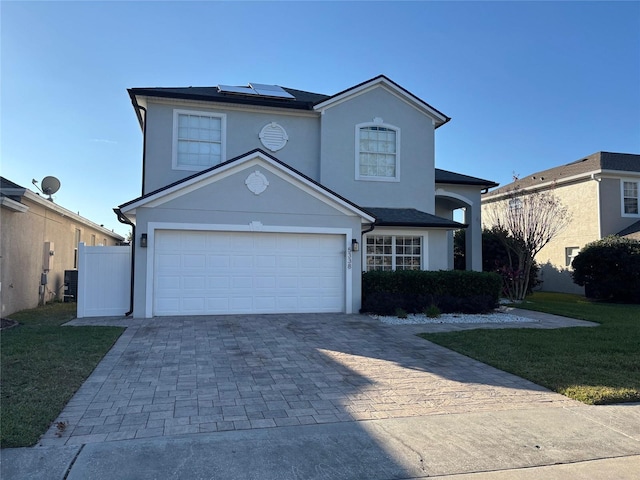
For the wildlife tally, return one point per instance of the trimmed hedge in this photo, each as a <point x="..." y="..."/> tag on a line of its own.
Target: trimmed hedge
<point x="415" y="291"/>
<point x="609" y="269"/>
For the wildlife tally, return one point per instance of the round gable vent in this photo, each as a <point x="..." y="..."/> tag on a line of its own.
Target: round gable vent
<point x="273" y="136"/>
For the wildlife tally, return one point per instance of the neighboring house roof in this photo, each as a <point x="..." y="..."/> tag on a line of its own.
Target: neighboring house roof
<point x="11" y="190"/>
<point x="209" y="172"/>
<point x="595" y="163"/>
<point x="439" y="117"/>
<point x="12" y="195"/>
<point x="410" y="217"/>
<point x="445" y="176"/>
<point x="632" y="229"/>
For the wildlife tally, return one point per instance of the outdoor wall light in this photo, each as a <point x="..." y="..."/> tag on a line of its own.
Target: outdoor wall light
<point x="143" y="240"/>
<point x="355" y="246"/>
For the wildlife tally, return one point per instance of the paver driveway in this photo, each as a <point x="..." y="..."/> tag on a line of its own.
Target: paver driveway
<point x="171" y="376"/>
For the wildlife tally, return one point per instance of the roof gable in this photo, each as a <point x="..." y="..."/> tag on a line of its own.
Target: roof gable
<point x="382" y="81"/>
<point x="257" y="156"/>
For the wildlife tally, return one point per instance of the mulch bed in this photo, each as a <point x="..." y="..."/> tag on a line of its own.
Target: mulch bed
<point x="7" y="323"/>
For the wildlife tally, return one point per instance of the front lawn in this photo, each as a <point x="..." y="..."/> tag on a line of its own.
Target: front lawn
<point x="42" y="365"/>
<point x="598" y="365"/>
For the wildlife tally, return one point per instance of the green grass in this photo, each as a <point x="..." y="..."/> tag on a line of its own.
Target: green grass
<point x="598" y="365"/>
<point x="42" y="365"/>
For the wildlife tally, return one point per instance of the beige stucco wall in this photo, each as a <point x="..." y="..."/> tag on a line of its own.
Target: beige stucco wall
<point x="582" y="200"/>
<point x="23" y="236"/>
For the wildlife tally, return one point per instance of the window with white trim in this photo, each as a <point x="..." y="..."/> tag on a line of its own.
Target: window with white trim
<point x="393" y="252"/>
<point x="630" y="198"/>
<point x="198" y="139"/>
<point x="377" y="152"/>
<point x="570" y="253"/>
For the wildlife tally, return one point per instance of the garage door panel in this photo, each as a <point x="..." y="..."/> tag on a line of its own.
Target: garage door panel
<point x="269" y="282"/>
<point x="218" y="261"/>
<point x="194" y="261"/>
<point x="193" y="305"/>
<point x="233" y="272"/>
<point x="194" y="283"/>
<point x="169" y="260"/>
<point x="266" y="261"/>
<point x="287" y="261"/>
<point x="193" y="242"/>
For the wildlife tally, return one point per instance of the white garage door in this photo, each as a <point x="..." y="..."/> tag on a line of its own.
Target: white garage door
<point x="200" y="273"/>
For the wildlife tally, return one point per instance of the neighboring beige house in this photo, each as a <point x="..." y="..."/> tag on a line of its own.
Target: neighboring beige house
<point x="38" y="242"/>
<point x="602" y="193"/>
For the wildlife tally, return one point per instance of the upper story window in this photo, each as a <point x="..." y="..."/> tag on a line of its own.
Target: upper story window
<point x="377" y="152"/>
<point x="198" y="139"/>
<point x="515" y="204"/>
<point x="630" y="198"/>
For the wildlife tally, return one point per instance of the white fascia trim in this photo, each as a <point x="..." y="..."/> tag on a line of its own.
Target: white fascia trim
<point x="544" y="185"/>
<point x="241" y="164"/>
<point x="619" y="173"/>
<point x="68" y="213"/>
<point x="391" y="88"/>
<point x="12" y="205"/>
<point x="154" y="226"/>
<point x="221" y="106"/>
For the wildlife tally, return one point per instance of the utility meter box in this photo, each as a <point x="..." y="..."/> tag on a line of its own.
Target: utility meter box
<point x="47" y="257"/>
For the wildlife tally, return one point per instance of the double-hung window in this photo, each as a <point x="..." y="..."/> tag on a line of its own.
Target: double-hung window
<point x="198" y="139"/>
<point x="630" y="197"/>
<point x="377" y="152"/>
<point x="393" y="252"/>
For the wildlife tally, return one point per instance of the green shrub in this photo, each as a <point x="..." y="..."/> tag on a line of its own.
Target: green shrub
<point x="432" y="311"/>
<point x="417" y="290"/>
<point x="609" y="269"/>
<point x="494" y="255"/>
<point x="401" y="313"/>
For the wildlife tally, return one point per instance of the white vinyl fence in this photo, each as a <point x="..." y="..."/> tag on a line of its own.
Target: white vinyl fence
<point x="104" y="281"/>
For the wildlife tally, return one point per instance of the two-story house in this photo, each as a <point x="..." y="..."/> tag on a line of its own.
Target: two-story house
<point x="601" y="193"/>
<point x="262" y="199"/>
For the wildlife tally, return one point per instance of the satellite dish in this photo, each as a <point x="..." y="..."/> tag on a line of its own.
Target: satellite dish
<point x="50" y="185"/>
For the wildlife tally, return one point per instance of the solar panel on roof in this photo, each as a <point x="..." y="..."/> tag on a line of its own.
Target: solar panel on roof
<point x="236" y="90"/>
<point x="271" y="90"/>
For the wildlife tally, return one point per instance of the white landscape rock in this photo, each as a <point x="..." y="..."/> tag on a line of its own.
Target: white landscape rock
<point x="417" y="319"/>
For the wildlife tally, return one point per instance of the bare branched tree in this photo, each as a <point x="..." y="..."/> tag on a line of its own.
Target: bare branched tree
<point x="529" y="221"/>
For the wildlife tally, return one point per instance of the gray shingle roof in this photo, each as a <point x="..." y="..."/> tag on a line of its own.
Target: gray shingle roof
<point x="630" y="230"/>
<point x="409" y="217"/>
<point x="445" y="176"/>
<point x="627" y="162"/>
<point x="11" y="190"/>
<point x="303" y="100"/>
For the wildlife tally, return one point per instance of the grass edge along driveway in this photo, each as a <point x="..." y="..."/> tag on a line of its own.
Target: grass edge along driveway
<point x="592" y="365"/>
<point x="42" y="365"/>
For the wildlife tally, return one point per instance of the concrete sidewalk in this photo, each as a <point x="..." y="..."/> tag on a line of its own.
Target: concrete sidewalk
<point x="555" y="443"/>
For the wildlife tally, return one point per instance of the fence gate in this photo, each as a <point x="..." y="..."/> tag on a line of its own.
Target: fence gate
<point x="104" y="281"/>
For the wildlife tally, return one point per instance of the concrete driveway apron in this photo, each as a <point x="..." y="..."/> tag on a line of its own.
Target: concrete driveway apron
<point x="182" y="375"/>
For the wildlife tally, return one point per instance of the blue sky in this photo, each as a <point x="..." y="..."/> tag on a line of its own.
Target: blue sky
<point x="529" y="85"/>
